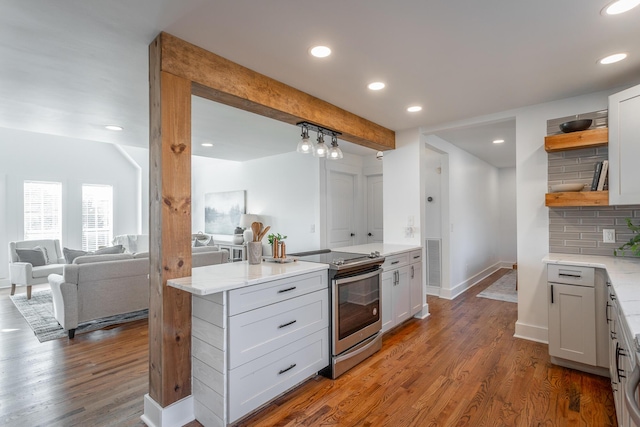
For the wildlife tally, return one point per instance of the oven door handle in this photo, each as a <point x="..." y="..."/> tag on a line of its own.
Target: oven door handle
<point x="369" y="342"/>
<point x="357" y="277"/>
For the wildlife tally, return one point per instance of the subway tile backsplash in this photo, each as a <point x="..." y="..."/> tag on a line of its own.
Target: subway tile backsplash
<point x="578" y="230"/>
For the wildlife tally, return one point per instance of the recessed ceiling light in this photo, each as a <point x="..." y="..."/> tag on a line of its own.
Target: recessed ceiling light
<point x="498" y="141"/>
<point x="376" y="85"/>
<point x="320" y="51"/>
<point x="207" y="144"/>
<point x="619" y="6"/>
<point x="113" y="127"/>
<point x="613" y="58"/>
<point x="414" y="109"/>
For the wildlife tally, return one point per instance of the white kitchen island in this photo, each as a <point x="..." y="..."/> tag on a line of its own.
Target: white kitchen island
<point x="257" y="331"/>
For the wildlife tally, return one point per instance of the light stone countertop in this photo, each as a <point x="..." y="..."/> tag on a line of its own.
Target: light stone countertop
<point x="212" y="279"/>
<point x="385" y="249"/>
<point x="625" y="279"/>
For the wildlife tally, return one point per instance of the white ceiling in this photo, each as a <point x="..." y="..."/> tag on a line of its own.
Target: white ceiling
<point x="70" y="66"/>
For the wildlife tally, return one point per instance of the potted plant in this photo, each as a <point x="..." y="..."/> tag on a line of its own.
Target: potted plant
<point x="633" y="244"/>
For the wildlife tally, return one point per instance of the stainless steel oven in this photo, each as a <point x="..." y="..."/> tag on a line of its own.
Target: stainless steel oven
<point x="356" y="309"/>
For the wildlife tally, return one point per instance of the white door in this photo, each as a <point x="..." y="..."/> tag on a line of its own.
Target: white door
<point x="374" y="209"/>
<point x="341" y="208"/>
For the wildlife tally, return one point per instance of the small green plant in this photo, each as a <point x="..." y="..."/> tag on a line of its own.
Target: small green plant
<point x="633" y="244"/>
<point x="275" y="236"/>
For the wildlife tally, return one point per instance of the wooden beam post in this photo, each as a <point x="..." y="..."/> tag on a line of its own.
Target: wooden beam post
<point x="177" y="70"/>
<point x="169" y="232"/>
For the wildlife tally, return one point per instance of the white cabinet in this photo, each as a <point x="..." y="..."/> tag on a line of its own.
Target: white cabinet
<point x="401" y="288"/>
<point x="572" y="323"/>
<point x="401" y="295"/>
<point x="572" y="314"/>
<point x="622" y="361"/>
<point x="415" y="278"/>
<point x="624" y="149"/>
<point x="251" y="344"/>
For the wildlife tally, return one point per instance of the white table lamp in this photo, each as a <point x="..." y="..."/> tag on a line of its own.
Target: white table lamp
<point x="245" y="222"/>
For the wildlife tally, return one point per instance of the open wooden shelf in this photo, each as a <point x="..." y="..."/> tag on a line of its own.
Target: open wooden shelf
<point x="598" y="137"/>
<point x="577" y="198"/>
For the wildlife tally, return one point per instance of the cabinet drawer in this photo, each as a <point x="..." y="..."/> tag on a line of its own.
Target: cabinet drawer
<point x="258" y="332"/>
<point x="395" y="261"/>
<point x="580" y="276"/>
<point x="259" y="381"/>
<point x="252" y="297"/>
<point x="415" y="256"/>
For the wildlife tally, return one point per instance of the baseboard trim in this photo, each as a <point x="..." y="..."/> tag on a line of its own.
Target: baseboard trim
<point x="424" y="313"/>
<point x="175" y="415"/>
<point x="470" y="282"/>
<point x="433" y="290"/>
<point x="531" y="333"/>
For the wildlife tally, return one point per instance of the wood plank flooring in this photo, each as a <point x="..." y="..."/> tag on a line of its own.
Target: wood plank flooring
<point x="460" y="367"/>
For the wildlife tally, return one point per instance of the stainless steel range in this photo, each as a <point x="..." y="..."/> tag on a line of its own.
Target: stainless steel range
<point x="356" y="319"/>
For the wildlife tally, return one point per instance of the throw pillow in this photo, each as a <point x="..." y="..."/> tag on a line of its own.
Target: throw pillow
<point x="71" y="254"/>
<point x="35" y="257"/>
<point x="45" y="253"/>
<point x="117" y="249"/>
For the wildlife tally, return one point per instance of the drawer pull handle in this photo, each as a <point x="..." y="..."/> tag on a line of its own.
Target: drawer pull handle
<point x="287" y="324"/>
<point x="394" y="262"/>
<point x="576" y="276"/>
<point x="281" y="291"/>
<point x="416" y="256"/>
<point x="612" y="297"/>
<point x="282" y="371"/>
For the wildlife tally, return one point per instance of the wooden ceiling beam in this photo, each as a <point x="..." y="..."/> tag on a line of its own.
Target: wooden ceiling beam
<point x="218" y="79"/>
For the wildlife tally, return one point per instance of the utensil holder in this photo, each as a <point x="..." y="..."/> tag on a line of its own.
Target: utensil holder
<point x="254" y="252"/>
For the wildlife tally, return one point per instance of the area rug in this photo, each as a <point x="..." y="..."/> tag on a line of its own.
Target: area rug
<point x="38" y="311"/>
<point x="503" y="289"/>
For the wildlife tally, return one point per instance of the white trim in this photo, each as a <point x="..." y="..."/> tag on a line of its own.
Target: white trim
<point x="424" y="313"/>
<point x="532" y="333"/>
<point x="433" y="290"/>
<point x="175" y="415"/>
<point x="469" y="283"/>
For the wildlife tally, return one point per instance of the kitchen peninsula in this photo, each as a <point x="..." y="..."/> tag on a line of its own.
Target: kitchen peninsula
<point x="257" y="331"/>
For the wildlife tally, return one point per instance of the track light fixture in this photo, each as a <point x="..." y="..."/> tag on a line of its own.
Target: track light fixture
<point x="319" y="149"/>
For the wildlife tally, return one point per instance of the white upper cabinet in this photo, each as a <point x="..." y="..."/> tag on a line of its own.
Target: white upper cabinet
<point x="624" y="147"/>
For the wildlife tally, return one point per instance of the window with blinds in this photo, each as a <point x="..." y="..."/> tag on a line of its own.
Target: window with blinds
<point x="42" y="210"/>
<point x="97" y="216"/>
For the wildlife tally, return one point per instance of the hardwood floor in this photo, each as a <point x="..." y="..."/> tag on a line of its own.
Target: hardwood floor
<point x="460" y="367"/>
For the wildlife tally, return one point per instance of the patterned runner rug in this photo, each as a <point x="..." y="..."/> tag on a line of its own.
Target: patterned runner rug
<point x="503" y="289"/>
<point x="38" y="311"/>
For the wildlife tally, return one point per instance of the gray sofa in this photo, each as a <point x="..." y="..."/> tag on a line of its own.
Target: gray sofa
<point x="96" y="286"/>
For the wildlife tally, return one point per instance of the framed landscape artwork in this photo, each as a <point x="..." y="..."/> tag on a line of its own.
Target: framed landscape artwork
<point x="222" y="211"/>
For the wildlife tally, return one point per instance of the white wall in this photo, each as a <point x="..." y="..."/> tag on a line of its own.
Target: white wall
<point x="141" y="158"/>
<point x="472" y="223"/>
<point x="531" y="185"/>
<point x="403" y="189"/>
<point x="532" y="215"/>
<point x="507" y="248"/>
<point x="33" y="156"/>
<point x="283" y="190"/>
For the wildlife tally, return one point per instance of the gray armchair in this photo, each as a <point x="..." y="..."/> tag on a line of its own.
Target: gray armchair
<point x="25" y="273"/>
